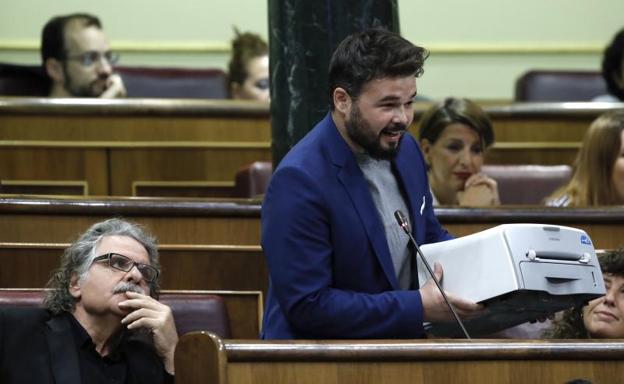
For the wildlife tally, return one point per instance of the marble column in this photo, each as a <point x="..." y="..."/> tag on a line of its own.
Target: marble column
<point x="302" y="37"/>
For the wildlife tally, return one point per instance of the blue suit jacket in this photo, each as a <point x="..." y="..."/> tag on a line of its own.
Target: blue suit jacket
<point x="331" y="273"/>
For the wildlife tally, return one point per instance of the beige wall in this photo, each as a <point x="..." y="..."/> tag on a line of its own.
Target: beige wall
<point x="478" y="48"/>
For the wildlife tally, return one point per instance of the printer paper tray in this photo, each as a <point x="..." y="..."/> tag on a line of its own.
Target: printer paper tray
<point x="511" y="309"/>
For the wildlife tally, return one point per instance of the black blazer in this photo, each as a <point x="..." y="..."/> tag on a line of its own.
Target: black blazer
<point x="37" y="347"/>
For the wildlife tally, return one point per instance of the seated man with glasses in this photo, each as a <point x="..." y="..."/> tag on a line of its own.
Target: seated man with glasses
<point x="101" y="322"/>
<point x="77" y="58"/>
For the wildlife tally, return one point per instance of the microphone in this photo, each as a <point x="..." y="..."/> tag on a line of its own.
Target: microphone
<point x="404" y="224"/>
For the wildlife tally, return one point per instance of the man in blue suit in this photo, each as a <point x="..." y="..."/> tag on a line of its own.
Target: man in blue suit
<point x="340" y="266"/>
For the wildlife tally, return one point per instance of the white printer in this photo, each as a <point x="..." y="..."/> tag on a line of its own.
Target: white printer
<point x="520" y="272"/>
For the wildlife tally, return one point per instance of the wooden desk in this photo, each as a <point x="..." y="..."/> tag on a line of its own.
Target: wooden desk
<point x="237" y="222"/>
<point x="201" y="358"/>
<point x="194" y="147"/>
<point x="173" y="221"/>
<point x="113" y="145"/>
<point x="603" y="225"/>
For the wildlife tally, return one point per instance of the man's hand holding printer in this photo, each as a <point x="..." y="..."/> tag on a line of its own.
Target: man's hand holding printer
<point x="434" y="307"/>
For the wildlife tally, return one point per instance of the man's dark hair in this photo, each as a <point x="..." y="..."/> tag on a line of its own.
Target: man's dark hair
<point x="53" y="34"/>
<point x="372" y="54"/>
<point x="612" y="62"/>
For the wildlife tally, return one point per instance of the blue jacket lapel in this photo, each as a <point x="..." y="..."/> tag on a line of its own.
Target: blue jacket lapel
<point x="63" y="354"/>
<point x="407" y="181"/>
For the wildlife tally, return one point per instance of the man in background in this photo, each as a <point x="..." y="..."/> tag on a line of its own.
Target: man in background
<point x="77" y="58"/>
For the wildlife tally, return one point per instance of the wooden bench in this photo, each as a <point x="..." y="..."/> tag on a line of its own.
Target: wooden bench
<point x="202" y="358"/>
<point x="195" y="147"/>
<point x="237" y="222"/>
<point x="173" y="221"/>
<point x="121" y="147"/>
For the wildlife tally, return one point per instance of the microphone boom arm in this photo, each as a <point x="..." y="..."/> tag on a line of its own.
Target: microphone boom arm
<point x="402" y="220"/>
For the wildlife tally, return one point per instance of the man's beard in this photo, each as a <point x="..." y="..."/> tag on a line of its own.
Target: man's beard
<point x="361" y="132"/>
<point x="88" y="90"/>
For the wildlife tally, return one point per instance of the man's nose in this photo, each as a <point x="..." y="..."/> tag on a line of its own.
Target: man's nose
<point x="103" y="65"/>
<point x="401" y="115"/>
<point x="134" y="275"/>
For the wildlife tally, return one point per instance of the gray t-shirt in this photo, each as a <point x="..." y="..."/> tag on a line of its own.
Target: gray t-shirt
<point x="387" y="196"/>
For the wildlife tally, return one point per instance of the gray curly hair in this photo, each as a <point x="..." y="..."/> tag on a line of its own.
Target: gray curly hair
<point x="79" y="257"/>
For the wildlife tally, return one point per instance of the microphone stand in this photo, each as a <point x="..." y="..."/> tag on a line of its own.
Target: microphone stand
<point x="402" y="220"/>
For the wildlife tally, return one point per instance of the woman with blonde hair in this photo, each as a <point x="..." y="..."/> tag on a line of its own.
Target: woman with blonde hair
<point x="598" y="177"/>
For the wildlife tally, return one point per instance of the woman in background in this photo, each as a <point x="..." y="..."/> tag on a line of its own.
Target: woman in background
<point x="598" y="176"/>
<point x="602" y="317"/>
<point x="453" y="136"/>
<point x="249" y="68"/>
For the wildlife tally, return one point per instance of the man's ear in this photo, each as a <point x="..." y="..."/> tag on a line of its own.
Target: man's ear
<point x="235" y="90"/>
<point x="74" y="287"/>
<point x="342" y="101"/>
<point x="618" y="77"/>
<point x="55" y="70"/>
<point x="425" y="147"/>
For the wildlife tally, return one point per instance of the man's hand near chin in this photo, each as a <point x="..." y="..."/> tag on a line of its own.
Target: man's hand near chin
<point x="148" y="313"/>
<point x="114" y="87"/>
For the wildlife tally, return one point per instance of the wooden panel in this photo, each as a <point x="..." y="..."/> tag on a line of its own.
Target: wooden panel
<point x="53" y="228"/>
<point x="516" y="372"/>
<point x="237" y="222"/>
<point x="133" y="120"/>
<point x="25" y="267"/>
<point x="545" y="155"/>
<point x="44" y="187"/>
<point x="178" y="164"/>
<point x="603" y="236"/>
<point x="245" y="309"/>
<point x="202" y="140"/>
<point x="56" y="164"/>
<point x="601" y="224"/>
<point x="246" y="231"/>
<point x="184" y="188"/>
<point x="173" y="221"/>
<point x="166" y="140"/>
<point x="203" y="267"/>
<point x="199" y="356"/>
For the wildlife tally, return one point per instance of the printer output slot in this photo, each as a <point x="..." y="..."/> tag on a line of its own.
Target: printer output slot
<point x="554" y="255"/>
<point x="559" y="280"/>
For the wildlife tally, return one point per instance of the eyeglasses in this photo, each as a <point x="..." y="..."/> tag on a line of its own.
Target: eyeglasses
<point x="262" y="84"/>
<point x="89" y="58"/>
<point x="125" y="264"/>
